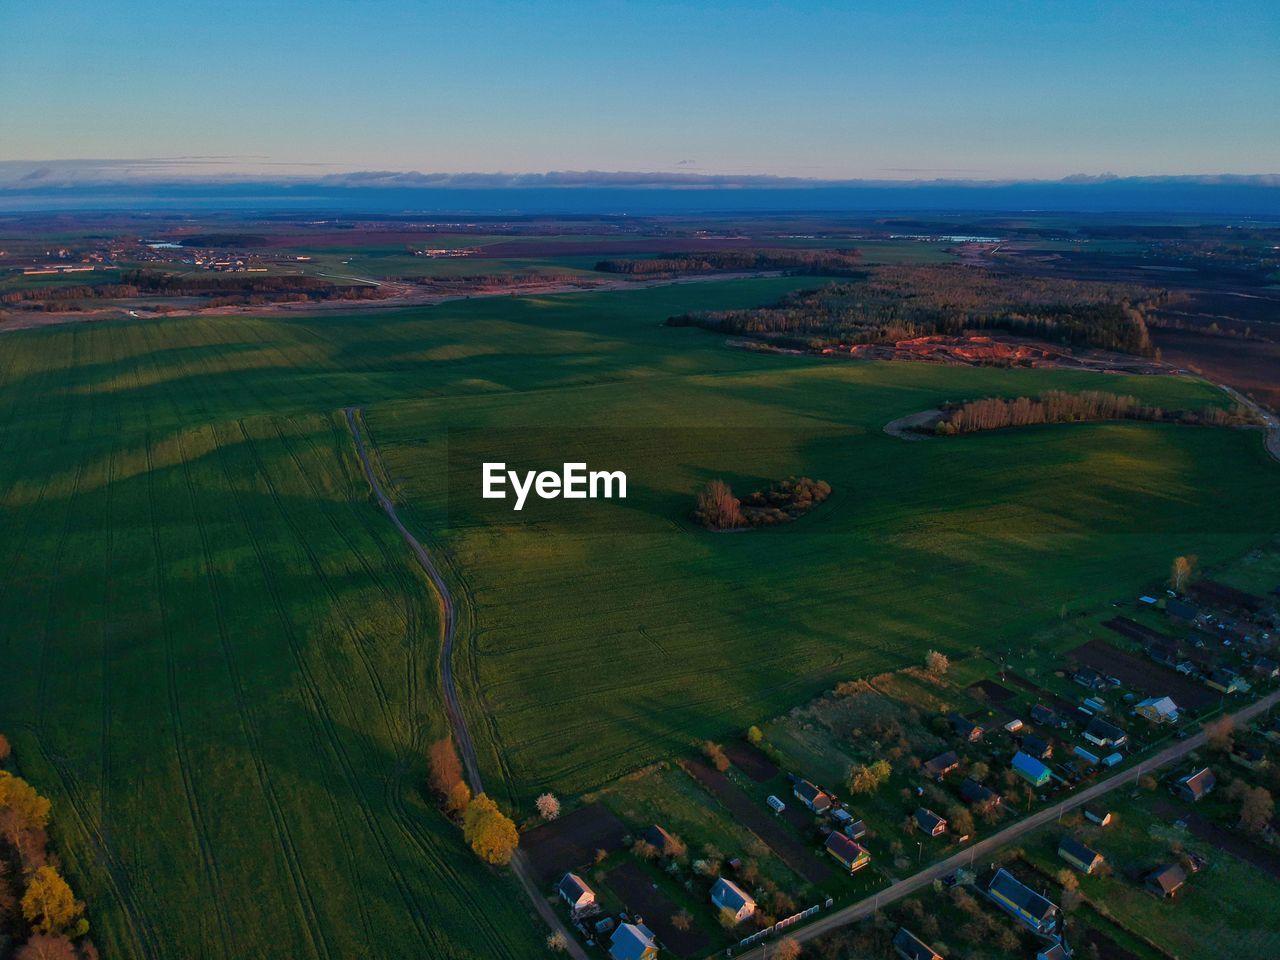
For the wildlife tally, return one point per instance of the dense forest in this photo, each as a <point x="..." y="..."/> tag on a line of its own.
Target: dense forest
<point x="224" y="289"/>
<point x="1056" y="406"/>
<point x="901" y="302"/>
<point x="830" y="263"/>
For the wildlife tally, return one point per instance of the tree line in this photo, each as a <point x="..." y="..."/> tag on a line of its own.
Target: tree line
<point x="37" y="907"/>
<point x="892" y="303"/>
<point x="226" y="289"/>
<point x="832" y="263"/>
<point x="1058" y="406"/>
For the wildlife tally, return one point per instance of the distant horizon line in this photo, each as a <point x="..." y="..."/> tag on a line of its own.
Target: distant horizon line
<point x="29" y="175"/>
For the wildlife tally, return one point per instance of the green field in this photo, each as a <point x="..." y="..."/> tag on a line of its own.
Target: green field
<point x="222" y="662"/>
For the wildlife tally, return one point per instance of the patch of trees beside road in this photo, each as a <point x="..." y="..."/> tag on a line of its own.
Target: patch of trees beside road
<point x="894" y="303"/>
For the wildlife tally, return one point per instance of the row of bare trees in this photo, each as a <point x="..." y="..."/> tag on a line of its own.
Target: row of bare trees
<point x="1058" y="406"/>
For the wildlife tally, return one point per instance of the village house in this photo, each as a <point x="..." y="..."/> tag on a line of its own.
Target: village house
<point x="632" y="941"/>
<point x="1037" y="747"/>
<point x="964" y="728"/>
<point x="1181" y="610"/>
<point x="1022" y="903"/>
<point x="1103" y="734"/>
<point x="727" y="895"/>
<point x="1272" y="730"/>
<point x="930" y="822"/>
<point x="1030" y="769"/>
<point x="1158" y="710"/>
<point x="1226" y="680"/>
<point x="1045" y="716"/>
<point x="1078" y="855"/>
<point x="1166" y="880"/>
<point x="910" y="947"/>
<point x="937" y="768"/>
<point x="580" y="897"/>
<point x="1196" y="786"/>
<point x="811" y="796"/>
<point x="974" y="793"/>
<point x="663" y="842"/>
<point x="1249" y="756"/>
<point x="1266" y="668"/>
<point x="1089" y="678"/>
<point x="1098" y="815"/>
<point x="852" y="855"/>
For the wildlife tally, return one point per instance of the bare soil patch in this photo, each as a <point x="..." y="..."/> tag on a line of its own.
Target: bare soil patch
<point x="752" y="761"/>
<point x="1143" y="674"/>
<point x="634" y="888"/>
<point x="756" y="818"/>
<point x="572" y="841"/>
<point x="1233" y="843"/>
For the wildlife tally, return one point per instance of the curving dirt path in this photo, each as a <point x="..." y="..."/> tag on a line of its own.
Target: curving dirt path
<point x="457" y="723"/>
<point x="908" y="427"/>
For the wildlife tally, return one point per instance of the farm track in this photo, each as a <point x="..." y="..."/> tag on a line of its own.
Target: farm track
<point x="395" y="786"/>
<point x="457" y="724"/>
<point x="909" y="885"/>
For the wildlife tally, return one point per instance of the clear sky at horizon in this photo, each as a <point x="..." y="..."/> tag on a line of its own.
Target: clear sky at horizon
<point x="829" y="90"/>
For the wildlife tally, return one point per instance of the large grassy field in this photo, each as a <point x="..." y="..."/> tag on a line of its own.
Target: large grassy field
<point x="608" y="635"/>
<point x="221" y="662"/>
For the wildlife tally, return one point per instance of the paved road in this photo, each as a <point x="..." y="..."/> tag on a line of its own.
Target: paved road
<point x="457" y="723"/>
<point x="983" y="848"/>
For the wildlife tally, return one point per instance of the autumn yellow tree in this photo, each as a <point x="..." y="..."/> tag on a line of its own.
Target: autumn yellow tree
<point x="48" y="905"/>
<point x="21" y="798"/>
<point x="491" y="833"/>
<point x="1180" y="574"/>
<point x="458" y="798"/>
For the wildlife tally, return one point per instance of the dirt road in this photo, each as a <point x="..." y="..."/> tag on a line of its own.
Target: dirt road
<point x="457" y="723"/>
<point x="984" y="848"/>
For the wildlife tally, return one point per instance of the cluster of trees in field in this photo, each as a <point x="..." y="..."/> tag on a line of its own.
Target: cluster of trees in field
<point x="718" y="509"/>
<point x="489" y="281"/>
<point x="1058" y="406"/>
<point x="831" y="263"/>
<point x="37" y="908"/>
<point x="222" y="289"/>
<point x="894" y="303"/>
<point x="488" y="831"/>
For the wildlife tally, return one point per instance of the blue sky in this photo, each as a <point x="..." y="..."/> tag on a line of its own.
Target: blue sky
<point x="855" y="89"/>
